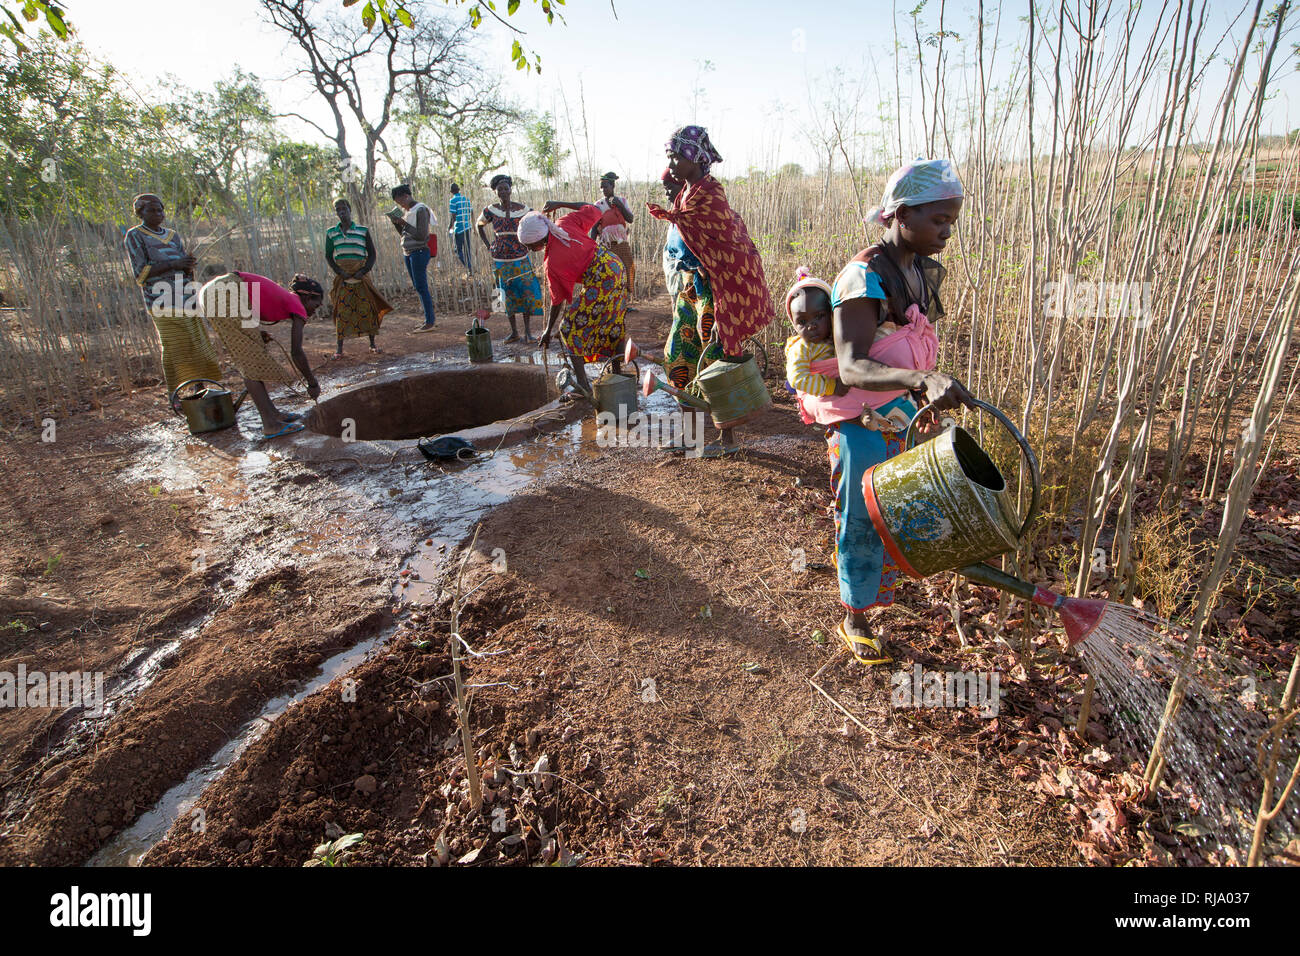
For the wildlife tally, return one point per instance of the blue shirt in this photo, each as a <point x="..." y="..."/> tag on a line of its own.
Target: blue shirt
<point x="461" y="214"/>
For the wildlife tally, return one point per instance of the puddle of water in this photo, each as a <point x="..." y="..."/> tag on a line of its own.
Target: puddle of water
<point x="129" y="846"/>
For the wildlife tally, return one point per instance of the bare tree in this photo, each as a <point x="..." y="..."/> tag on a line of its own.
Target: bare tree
<point x="362" y="74"/>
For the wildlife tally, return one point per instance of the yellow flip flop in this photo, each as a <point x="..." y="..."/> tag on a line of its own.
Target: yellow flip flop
<point x="853" y="643"/>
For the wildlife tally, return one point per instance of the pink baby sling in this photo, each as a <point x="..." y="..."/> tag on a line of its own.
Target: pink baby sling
<point x="914" y="346"/>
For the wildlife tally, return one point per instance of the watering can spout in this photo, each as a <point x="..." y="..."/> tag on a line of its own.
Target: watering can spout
<point x="1080" y="616"/>
<point x="650" y="384"/>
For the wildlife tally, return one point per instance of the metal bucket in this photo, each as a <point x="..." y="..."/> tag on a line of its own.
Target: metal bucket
<point x="207" y="410"/>
<point x="479" y="341"/>
<point x="944" y="504"/>
<point x="734" y="390"/>
<point x="616" y="394"/>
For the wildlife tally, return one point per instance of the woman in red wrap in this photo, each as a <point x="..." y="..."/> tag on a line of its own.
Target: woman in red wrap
<point x="717" y="236"/>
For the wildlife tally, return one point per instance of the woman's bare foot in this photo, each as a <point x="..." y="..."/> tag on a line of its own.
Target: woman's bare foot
<point x="512" y="337"/>
<point x="529" y="338"/>
<point x="376" y="350"/>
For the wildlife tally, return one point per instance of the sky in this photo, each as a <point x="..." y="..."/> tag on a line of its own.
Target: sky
<point x="748" y="71"/>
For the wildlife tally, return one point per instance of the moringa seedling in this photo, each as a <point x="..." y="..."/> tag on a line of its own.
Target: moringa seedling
<point x="334" y="852"/>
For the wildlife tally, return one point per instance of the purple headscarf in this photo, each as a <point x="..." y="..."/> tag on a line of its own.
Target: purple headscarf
<point x="692" y="143"/>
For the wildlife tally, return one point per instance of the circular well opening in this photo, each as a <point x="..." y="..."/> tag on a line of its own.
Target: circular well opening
<point x="432" y="403"/>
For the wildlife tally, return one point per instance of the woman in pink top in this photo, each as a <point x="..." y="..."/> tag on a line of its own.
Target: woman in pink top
<point x="595" y="324"/>
<point x="238" y="305"/>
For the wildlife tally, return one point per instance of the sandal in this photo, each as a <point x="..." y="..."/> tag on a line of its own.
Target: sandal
<point x="871" y="643"/>
<point x="288" y="429"/>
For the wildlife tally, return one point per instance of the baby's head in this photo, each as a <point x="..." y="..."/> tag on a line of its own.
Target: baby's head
<point x="808" y="303"/>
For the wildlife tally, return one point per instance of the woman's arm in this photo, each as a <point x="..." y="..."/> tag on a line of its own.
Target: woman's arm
<point x="855" y="330"/>
<point x="329" y="257"/>
<point x="621" y="206"/>
<point x="554" y="204"/>
<point x="372" y="254"/>
<point x="300" y="357"/>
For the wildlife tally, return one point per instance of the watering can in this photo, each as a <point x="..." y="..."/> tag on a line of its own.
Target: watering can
<point x="732" y="392"/>
<point x="208" y="409"/>
<point x="944" y="506"/>
<point x="478" y="339"/>
<point x="616" y="394"/>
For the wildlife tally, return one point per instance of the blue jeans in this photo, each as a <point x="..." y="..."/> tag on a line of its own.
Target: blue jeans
<point x="417" y="267"/>
<point x="463" y="248"/>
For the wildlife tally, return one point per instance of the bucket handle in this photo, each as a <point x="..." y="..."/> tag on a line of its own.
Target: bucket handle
<point x="1030" y="458"/>
<point x="175" y="399"/>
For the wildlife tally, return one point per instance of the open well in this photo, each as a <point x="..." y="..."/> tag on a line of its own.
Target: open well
<point x="434" y="403"/>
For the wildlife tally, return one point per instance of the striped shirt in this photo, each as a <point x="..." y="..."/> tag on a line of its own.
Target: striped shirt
<point x="461" y="213"/>
<point x="799" y="356"/>
<point x="350" y="245"/>
<point x="146" y="250"/>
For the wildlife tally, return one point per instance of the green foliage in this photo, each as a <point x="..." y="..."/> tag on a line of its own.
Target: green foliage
<point x="542" y="150"/>
<point x="78" y="136"/>
<point x="391" y="11"/>
<point x="31" y="10"/>
<point x="1258" y="211"/>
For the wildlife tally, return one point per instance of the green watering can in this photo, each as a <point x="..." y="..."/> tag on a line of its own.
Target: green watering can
<point x="478" y="340"/>
<point x="208" y="409"/>
<point x="944" y="504"/>
<point x="732" y="392"/>
<point x="616" y="394"/>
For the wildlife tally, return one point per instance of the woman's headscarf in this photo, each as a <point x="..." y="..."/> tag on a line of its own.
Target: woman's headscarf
<point x="919" y="182"/>
<point x="692" y="143"/>
<point x="141" y="199"/>
<point x="534" y="226"/>
<point x="498" y="179"/>
<point x="305" y="283"/>
<point x="804" y="279"/>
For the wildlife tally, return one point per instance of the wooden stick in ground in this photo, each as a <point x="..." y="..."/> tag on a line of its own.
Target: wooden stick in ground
<point x="1273" y="743"/>
<point x="1085" y="708"/>
<point x="462" y="707"/>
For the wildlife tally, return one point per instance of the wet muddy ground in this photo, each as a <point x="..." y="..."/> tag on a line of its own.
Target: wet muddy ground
<point x="273" y="621"/>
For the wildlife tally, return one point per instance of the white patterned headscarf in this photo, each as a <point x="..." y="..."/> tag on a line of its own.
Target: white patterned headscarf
<point x="919" y="182"/>
<point x="534" y="226"/>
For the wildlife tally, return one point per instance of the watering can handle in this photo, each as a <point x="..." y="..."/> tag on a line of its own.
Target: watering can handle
<point x="1030" y="458"/>
<point x="175" y="402"/>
